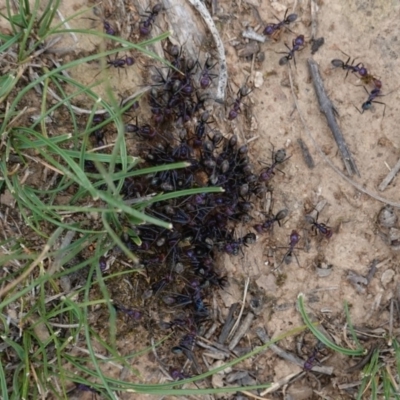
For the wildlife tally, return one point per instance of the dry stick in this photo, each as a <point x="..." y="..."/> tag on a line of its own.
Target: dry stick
<point x="330" y="163"/>
<point x="328" y="109"/>
<point x="243" y="328"/>
<point x="249" y="33"/>
<point x="228" y="323"/>
<point x="246" y="286"/>
<point x="390" y="176"/>
<point x="314" y="9"/>
<point x="260" y="332"/>
<point x="223" y="72"/>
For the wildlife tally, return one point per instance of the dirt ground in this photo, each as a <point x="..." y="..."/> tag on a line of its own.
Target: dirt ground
<point x="368" y="31"/>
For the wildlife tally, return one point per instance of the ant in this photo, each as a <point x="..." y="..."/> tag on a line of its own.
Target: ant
<point x="359" y="68"/>
<point x="294" y="239"/>
<point x="205" y="76"/>
<point x="186" y="346"/>
<point x="200" y="129"/>
<point x="308" y="365"/>
<point x="146" y="25"/>
<point x="134" y="314"/>
<point x="144" y="131"/>
<point x="80" y="387"/>
<point x="320" y="227"/>
<point x="234" y="112"/>
<point x="120" y="62"/>
<point x="103" y="263"/>
<point x="177" y="375"/>
<point x="274" y="29"/>
<point x="371" y="99"/>
<point x="199" y="306"/>
<point x="297" y="43"/>
<point x="99" y="136"/>
<point x="268" y="224"/>
<point x="108" y="29"/>
<point x="278" y="158"/>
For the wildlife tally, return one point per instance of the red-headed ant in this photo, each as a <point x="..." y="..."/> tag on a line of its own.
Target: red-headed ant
<point x="359" y="69"/>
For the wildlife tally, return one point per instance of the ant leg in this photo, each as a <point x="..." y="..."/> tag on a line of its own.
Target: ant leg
<point x="384" y="106"/>
<point x="297" y="260"/>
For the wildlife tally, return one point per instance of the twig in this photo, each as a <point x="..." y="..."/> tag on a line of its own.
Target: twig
<point x="251" y="34"/>
<point x="277" y="385"/>
<point x="328" y="109"/>
<point x="330" y="163"/>
<point x="243" y="328"/>
<point x="390" y="176"/>
<point x="228" y="323"/>
<point x="363" y="362"/>
<point x="67" y="26"/>
<point x="260" y="332"/>
<point x="246" y="286"/>
<point x="306" y="154"/>
<point x="223" y="71"/>
<point x="391" y="321"/>
<point x="153" y="348"/>
<point x="314" y="9"/>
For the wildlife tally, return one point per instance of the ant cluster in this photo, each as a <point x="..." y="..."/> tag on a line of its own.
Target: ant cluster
<point x="273" y="30"/>
<point x="181" y="263"/>
<point x="366" y="78"/>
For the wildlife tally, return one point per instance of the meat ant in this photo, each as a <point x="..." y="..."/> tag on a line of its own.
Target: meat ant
<point x="273" y="30"/>
<point x="146" y="25"/>
<point x="297" y="45"/>
<point x="319" y="227"/>
<point x="234" y="112"/>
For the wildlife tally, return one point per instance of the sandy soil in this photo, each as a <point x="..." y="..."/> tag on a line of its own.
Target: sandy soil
<point x="368" y="31"/>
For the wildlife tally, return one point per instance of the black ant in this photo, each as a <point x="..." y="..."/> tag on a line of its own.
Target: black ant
<point x="278" y="158"/>
<point x="268" y="224"/>
<point x="108" y="28"/>
<point x="120" y="62"/>
<point x="320" y="227"/>
<point x="371" y="99"/>
<point x="359" y="69"/>
<point x="297" y="43"/>
<point x="293" y="241"/>
<point x="144" y="131"/>
<point x="146" y="25"/>
<point x="234" y="112"/>
<point x="274" y="29"/>
<point x="309" y="364"/>
<point x="205" y="76"/>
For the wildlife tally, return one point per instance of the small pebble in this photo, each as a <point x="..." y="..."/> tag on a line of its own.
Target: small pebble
<point x="387" y="217"/>
<point x="387" y="277"/>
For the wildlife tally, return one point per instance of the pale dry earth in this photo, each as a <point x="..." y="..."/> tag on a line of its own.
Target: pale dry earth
<point x="367" y="30"/>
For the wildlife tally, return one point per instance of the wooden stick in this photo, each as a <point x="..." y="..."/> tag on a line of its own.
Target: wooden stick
<point x="390" y="176"/>
<point x="328" y="109"/>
